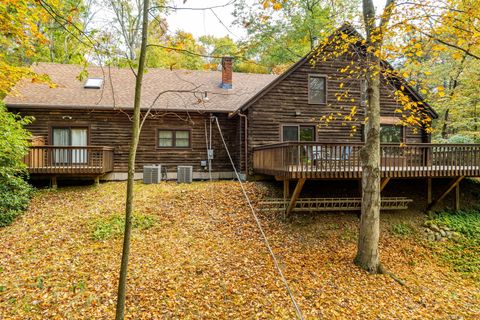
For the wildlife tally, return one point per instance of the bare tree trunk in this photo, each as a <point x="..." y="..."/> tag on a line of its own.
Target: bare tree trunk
<point x="453" y="83"/>
<point x="445" y="124"/>
<point x="369" y="230"/>
<point x="120" y="311"/>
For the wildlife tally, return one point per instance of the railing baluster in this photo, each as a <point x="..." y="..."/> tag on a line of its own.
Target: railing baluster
<point x="69" y="160"/>
<point x="307" y="159"/>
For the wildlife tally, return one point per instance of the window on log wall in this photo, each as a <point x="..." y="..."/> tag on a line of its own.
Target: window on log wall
<point x="317" y="89"/>
<point x="174" y="138"/>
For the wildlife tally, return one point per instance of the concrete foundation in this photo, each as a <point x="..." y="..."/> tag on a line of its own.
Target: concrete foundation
<point x="120" y="176"/>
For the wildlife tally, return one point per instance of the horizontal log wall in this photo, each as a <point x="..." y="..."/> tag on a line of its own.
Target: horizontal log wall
<point x="112" y="128"/>
<point x="287" y="103"/>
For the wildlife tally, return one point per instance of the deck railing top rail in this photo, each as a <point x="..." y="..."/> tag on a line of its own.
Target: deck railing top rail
<point x="73" y="147"/>
<point x="342" y="160"/>
<point x="69" y="160"/>
<point x="313" y="143"/>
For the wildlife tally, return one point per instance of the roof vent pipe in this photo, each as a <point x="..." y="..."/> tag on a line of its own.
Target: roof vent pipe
<point x="227" y="72"/>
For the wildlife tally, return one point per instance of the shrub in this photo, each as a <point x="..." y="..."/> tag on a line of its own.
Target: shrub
<point x="456" y="138"/>
<point x="15" y="192"/>
<point x="463" y="254"/>
<point x="402" y="229"/>
<point x="114" y="225"/>
<point x="14" y="198"/>
<point x="459" y="138"/>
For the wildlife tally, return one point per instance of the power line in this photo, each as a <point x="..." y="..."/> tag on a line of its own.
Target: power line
<point x="264" y="236"/>
<point x="223" y="24"/>
<point x="195" y="8"/>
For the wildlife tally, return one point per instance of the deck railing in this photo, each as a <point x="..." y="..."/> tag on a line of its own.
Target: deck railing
<point x="330" y="160"/>
<point x="69" y="160"/>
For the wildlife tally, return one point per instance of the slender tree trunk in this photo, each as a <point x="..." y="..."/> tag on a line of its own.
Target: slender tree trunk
<point x="369" y="230"/>
<point x="120" y="311"/>
<point x="445" y="124"/>
<point x="453" y="86"/>
<point x="475" y="117"/>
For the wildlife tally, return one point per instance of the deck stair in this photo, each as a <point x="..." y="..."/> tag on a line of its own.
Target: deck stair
<point x="331" y="204"/>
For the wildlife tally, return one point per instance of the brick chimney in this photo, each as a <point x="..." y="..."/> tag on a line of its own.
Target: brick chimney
<point x="227" y="72"/>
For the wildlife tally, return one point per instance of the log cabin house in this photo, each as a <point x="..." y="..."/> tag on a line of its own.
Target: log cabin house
<point x="270" y="125"/>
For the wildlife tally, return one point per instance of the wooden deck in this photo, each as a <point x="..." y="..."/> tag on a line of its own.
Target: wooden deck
<point x="69" y="161"/>
<point x="311" y="160"/>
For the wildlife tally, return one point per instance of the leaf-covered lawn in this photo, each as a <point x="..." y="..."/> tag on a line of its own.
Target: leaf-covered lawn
<point x="196" y="253"/>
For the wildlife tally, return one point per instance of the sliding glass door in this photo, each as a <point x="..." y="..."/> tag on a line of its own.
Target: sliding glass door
<point x="70" y="137"/>
<point x="298" y="133"/>
<point x="301" y="133"/>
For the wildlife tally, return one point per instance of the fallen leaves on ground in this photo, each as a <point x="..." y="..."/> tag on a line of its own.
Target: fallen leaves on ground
<point x="204" y="258"/>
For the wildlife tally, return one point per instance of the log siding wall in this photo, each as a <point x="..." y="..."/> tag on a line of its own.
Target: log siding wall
<point x="113" y="129"/>
<point x="287" y="103"/>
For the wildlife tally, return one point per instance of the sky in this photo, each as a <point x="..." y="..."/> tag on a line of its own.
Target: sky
<point x="204" y="22"/>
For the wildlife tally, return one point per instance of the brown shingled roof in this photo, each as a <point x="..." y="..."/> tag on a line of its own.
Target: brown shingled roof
<point x="71" y="93"/>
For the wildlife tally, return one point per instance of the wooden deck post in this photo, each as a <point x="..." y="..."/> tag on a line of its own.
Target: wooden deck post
<point x="383" y="183"/>
<point x="455" y="182"/>
<point x="286" y="189"/>
<point x="53" y="182"/>
<point x="429" y="191"/>
<point x="457" y="197"/>
<point x="97" y="180"/>
<point x="295" y="195"/>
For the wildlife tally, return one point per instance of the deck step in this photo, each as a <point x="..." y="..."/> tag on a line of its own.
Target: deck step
<point x="331" y="204"/>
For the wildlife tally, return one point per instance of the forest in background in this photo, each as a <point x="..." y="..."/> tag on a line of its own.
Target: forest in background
<point x="279" y="33"/>
<point x="67" y="32"/>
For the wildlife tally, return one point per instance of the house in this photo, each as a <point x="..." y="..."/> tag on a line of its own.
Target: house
<point x="85" y="124"/>
<point x="269" y="123"/>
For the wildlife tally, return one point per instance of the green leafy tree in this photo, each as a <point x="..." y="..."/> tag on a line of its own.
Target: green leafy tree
<point x="62" y="43"/>
<point x="19" y="22"/>
<point x="217" y="47"/>
<point x="14" y="141"/>
<point x="179" y="51"/>
<point x="280" y="37"/>
<point x="453" y="91"/>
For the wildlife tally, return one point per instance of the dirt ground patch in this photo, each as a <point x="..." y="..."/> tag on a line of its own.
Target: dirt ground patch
<point x="203" y="257"/>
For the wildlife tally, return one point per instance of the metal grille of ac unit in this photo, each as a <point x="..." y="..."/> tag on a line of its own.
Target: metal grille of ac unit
<point x="184" y="174"/>
<point x="152" y="174"/>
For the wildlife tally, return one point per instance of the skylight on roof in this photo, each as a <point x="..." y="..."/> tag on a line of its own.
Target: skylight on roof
<point x="93" y="83"/>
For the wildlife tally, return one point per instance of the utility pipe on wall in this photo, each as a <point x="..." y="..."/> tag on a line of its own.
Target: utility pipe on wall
<point x="210" y="149"/>
<point x="207" y="147"/>
<point x="245" y="136"/>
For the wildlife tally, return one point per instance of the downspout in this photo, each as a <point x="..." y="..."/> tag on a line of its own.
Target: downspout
<point x="245" y="136"/>
<point x="210" y="148"/>
<point x="207" y="147"/>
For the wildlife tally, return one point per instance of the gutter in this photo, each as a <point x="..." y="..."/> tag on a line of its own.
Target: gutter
<point x="100" y="107"/>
